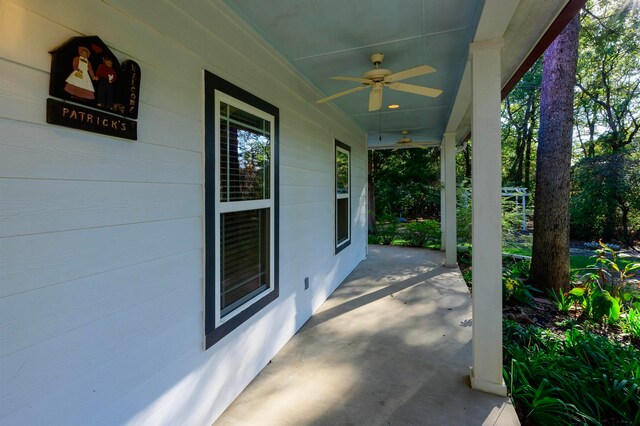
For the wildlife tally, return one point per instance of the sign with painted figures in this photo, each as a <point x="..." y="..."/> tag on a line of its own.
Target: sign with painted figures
<point x="84" y="71"/>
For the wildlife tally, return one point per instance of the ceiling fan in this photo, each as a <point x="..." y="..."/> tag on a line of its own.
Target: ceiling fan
<point x="378" y="78"/>
<point x="406" y="142"/>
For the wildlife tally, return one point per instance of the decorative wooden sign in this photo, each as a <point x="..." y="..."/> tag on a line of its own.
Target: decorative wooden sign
<point x="84" y="71"/>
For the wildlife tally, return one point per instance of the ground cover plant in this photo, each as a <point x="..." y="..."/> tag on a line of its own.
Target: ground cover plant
<point x="571" y="378"/>
<point x="574" y="359"/>
<point x="420" y="233"/>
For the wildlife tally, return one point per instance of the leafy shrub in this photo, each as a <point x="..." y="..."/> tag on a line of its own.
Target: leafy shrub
<point x="606" y="288"/>
<point x="602" y="188"/>
<point x="421" y="234"/>
<point x="515" y="291"/>
<point x="631" y="323"/>
<point x="562" y="301"/>
<point x="597" y="303"/>
<point x="384" y="230"/>
<point x="611" y="275"/>
<point x="581" y="379"/>
<point x="511" y="220"/>
<point x="413" y="234"/>
<point x="407" y="181"/>
<point x="515" y="272"/>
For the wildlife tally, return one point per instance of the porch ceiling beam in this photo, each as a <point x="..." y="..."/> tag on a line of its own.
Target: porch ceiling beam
<point x="494" y="20"/>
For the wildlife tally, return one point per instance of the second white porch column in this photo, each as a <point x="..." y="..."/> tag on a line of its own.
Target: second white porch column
<point x="486" y="372"/>
<point x="443" y="214"/>
<point x="451" y="243"/>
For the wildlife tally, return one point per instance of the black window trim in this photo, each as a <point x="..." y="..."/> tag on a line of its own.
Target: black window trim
<point x="212" y="83"/>
<point x="347" y="243"/>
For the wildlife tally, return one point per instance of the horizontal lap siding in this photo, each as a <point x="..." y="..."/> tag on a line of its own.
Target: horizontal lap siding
<point x="101" y="239"/>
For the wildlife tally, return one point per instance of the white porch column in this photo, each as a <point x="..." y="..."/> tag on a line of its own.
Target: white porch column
<point x="443" y="217"/>
<point x="486" y="372"/>
<point x="451" y="243"/>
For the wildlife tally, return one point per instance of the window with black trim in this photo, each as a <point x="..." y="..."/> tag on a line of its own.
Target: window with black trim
<point x="241" y="206"/>
<point x="343" y="195"/>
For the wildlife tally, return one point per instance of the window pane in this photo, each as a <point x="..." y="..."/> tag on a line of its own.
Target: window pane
<point x="342" y="172"/>
<point x="342" y="220"/>
<point x="244" y="256"/>
<point x="245" y="151"/>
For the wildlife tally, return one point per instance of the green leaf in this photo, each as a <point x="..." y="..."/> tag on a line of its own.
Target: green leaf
<point x="577" y="291"/>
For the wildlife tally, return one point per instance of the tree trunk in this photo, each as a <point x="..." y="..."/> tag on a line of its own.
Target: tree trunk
<point x="467" y="162"/>
<point x="550" y="257"/>
<point x="527" y="154"/>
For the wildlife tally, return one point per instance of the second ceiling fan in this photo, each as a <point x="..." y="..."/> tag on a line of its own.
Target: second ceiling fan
<point x="405" y="141"/>
<point x="378" y="78"/>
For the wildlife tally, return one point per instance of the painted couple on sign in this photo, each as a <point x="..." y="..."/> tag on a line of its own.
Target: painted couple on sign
<point x="80" y="82"/>
<point x="84" y="70"/>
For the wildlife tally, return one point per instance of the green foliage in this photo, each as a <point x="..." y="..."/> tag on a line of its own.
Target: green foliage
<point x="581" y="379"/>
<point x="631" y="322"/>
<point x="511" y="218"/>
<point x="611" y="275"/>
<point x="605" y="197"/>
<point x="515" y="290"/>
<point x="413" y="234"/>
<point x="607" y="102"/>
<point x="520" y="121"/>
<point x="385" y="230"/>
<point x="514" y="286"/>
<point x="606" y="288"/>
<point x="562" y="302"/>
<point x="605" y="200"/>
<point x="464" y="213"/>
<point x="596" y="303"/>
<point x="407" y="182"/>
<point x="421" y="234"/>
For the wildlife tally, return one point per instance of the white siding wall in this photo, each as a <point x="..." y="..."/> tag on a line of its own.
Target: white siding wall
<point x="101" y="239"/>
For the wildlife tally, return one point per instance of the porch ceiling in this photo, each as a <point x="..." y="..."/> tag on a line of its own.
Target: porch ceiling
<point x="336" y="37"/>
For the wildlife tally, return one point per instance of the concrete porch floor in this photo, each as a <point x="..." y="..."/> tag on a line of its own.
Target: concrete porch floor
<point x="391" y="346"/>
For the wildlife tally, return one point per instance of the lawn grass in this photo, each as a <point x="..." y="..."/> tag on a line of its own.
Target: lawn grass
<point x="575" y="261"/>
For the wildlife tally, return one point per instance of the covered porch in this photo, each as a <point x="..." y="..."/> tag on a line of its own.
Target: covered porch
<point x="392" y="345"/>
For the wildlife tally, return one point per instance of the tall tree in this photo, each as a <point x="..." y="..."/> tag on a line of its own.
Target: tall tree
<point x="607" y="122"/>
<point x="520" y="111"/>
<point x="550" y="254"/>
<point x="607" y="77"/>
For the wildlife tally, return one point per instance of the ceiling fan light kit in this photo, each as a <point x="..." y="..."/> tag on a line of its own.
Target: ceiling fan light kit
<point x="378" y="78"/>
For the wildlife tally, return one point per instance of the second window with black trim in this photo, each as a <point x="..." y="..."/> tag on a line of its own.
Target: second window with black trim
<point x="342" y="195"/>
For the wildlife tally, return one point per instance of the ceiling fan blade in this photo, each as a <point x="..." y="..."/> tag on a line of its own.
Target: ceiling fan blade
<point x="426" y="143"/>
<point x="356" y="79"/>
<point x="337" y="95"/>
<point x="418" y="90"/>
<point x="392" y="146"/>
<point x="411" y="72"/>
<point x="375" y="97"/>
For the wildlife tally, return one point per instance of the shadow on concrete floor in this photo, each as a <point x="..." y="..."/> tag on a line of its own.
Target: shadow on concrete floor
<point x="391" y="346"/>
